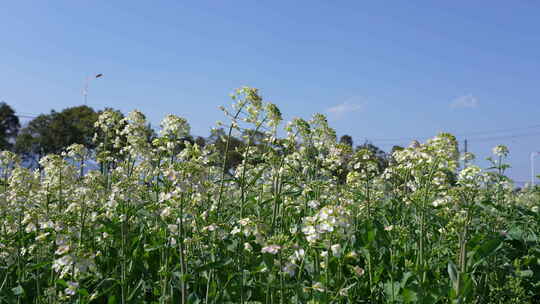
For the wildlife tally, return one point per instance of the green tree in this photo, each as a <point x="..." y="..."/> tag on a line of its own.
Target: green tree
<point x="201" y="141"/>
<point x="9" y="126"/>
<point x="233" y="158"/>
<point x="52" y="133"/>
<point x="346" y="140"/>
<point x="382" y="157"/>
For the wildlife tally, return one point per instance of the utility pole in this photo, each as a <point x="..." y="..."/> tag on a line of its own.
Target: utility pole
<point x="533" y="154"/>
<point x="465" y="161"/>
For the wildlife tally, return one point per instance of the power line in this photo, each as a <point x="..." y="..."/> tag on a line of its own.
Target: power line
<point x="498" y="130"/>
<point x="27" y="113"/>
<point x="468" y="134"/>
<point x="405" y="141"/>
<point x="27" y="116"/>
<point x="505" y="137"/>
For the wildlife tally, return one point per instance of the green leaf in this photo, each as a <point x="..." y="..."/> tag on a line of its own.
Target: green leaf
<point x="40" y="265"/>
<point x="409" y="296"/>
<point x="486" y="249"/>
<point x="134" y="291"/>
<point x="371" y="235"/>
<point x="83" y="292"/>
<point x="233" y="246"/>
<point x="525" y="273"/>
<point x="467" y="286"/>
<point x="154" y="248"/>
<point x="213" y="265"/>
<point x="391" y="290"/>
<point x="406" y="276"/>
<point x="112" y="300"/>
<point x="193" y="299"/>
<point x="62" y="283"/>
<point x="489" y="247"/>
<point x="453" y="273"/>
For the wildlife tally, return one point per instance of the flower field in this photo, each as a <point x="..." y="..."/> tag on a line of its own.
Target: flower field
<point x="301" y="219"/>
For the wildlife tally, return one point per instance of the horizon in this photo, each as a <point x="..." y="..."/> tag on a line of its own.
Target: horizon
<point x="383" y="73"/>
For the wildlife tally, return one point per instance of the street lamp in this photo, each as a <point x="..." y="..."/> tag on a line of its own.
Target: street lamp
<point x="85" y="89"/>
<point x="533" y="154"/>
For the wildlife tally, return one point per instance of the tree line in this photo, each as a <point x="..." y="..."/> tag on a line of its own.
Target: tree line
<point x="52" y="133"/>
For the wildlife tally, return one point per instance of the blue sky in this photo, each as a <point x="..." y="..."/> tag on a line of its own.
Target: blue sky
<point x="380" y="70"/>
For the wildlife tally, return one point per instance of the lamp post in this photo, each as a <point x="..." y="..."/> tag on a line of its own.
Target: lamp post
<point x="533" y="154"/>
<point x="85" y="89"/>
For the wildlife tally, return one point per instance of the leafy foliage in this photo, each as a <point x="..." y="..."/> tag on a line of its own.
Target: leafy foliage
<point x="9" y="126"/>
<point x="54" y="132"/>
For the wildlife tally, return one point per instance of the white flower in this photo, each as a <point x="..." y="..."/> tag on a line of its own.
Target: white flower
<point x="313" y="204"/>
<point x="469" y="175"/>
<point x="72" y="288"/>
<point x="30" y="228"/>
<point x="47" y="225"/>
<point x="299" y="254"/>
<point x="272" y="249"/>
<point x="336" y="250"/>
<point x="309" y="230"/>
<point x="94" y="295"/>
<point x="293" y="229"/>
<point x="71" y="207"/>
<point x="172" y="228"/>
<point x="326" y="227"/>
<point x="210" y="228"/>
<point x="42" y="236"/>
<point x="318" y="286"/>
<point x="62" y="249"/>
<point x="325" y="213"/>
<point x="61" y="240"/>
<point x="468" y="156"/>
<point x="235" y="230"/>
<point x="440" y="201"/>
<point x="358" y="270"/>
<point x="244" y="222"/>
<point x="345" y="291"/>
<point x="500" y="151"/>
<point x="165" y="212"/>
<point x="289" y="269"/>
<point x="248" y="247"/>
<point x="27" y="219"/>
<point x="312" y="238"/>
<point x="62" y="262"/>
<point x="171" y="175"/>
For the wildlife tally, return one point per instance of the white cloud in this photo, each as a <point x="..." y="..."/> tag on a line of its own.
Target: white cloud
<point x="344" y="108"/>
<point x="465" y="101"/>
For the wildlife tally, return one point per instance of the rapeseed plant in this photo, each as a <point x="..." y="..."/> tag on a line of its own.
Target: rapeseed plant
<point x="299" y="219"/>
